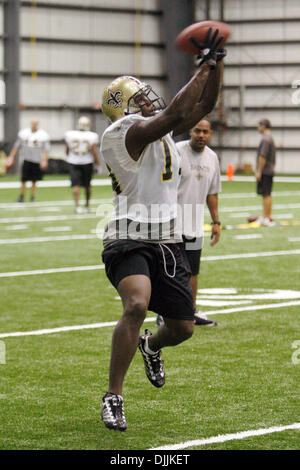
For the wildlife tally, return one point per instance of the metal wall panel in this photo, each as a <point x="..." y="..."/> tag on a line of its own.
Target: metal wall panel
<point x="101" y="26"/>
<point x="263" y="54"/>
<point x="1" y="125"/>
<point x="256" y="9"/>
<point x="145" y="4"/>
<point x="1" y="19"/>
<point x="256" y="75"/>
<point x="266" y="32"/>
<point x="251" y="138"/>
<point x="1" y="56"/>
<point x="280" y="118"/>
<point x="260" y="97"/>
<point x="57" y="91"/>
<point x="47" y="57"/>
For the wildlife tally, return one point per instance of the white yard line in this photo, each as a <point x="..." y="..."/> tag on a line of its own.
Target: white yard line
<point x="221" y="303"/>
<point x="251" y="255"/>
<point x="54" y="183"/>
<point x="293" y="303"/>
<point x="237" y="215"/>
<point x="107" y="182"/>
<point x="49" y="209"/>
<point x="247" y="237"/>
<point x="251" y="195"/>
<point x="46" y="218"/>
<point x="101" y="266"/>
<point x="256" y="208"/>
<point x="61" y="329"/>
<point x="277" y="179"/>
<point x="18" y="241"/>
<point x="7" y="220"/>
<point x="57" y="229"/>
<point x="52" y="271"/>
<point x="150" y="319"/>
<point x="16" y="227"/>
<point x="229" y="437"/>
<point x="69" y="202"/>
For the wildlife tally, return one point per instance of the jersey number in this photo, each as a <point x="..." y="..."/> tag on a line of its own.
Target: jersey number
<point x="76" y="145"/>
<point x="115" y="183"/>
<point x="168" y="173"/>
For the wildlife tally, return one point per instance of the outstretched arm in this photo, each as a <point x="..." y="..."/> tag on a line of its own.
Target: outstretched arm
<point x="207" y="101"/>
<point x="149" y="130"/>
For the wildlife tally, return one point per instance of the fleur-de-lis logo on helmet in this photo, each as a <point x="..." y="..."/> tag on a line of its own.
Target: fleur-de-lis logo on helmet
<point x="115" y="98"/>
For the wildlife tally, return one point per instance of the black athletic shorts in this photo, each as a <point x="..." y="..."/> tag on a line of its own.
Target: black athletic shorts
<point x="264" y="186"/>
<point x="166" y="267"/>
<point x="81" y="175"/>
<point x="31" y="172"/>
<point x="193" y="253"/>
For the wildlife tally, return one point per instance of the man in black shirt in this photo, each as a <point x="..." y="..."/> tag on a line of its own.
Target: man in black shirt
<point x="265" y="164"/>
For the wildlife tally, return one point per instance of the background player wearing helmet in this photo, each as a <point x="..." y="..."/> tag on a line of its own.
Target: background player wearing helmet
<point x="82" y="152"/>
<point x="149" y="273"/>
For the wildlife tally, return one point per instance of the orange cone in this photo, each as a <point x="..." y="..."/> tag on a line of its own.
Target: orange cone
<point x="229" y="171"/>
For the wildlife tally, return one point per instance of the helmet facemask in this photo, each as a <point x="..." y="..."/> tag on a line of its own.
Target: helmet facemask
<point x="133" y="106"/>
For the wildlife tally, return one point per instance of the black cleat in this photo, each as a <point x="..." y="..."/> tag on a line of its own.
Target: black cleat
<point x="20" y="198"/>
<point x="113" y="412"/>
<point x="201" y="320"/>
<point x="154" y="366"/>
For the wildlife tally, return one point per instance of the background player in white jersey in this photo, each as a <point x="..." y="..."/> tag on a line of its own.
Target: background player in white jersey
<point x="82" y="152"/>
<point x="34" y="146"/>
<point x="142" y="259"/>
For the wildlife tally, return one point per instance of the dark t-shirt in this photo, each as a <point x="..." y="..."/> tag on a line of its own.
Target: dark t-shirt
<point x="268" y="150"/>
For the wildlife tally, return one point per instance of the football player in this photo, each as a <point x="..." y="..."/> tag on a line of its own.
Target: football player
<point x="34" y="146"/>
<point x="82" y="154"/>
<point x="142" y="252"/>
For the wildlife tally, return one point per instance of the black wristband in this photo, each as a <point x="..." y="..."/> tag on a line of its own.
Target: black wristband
<point x="215" y="222"/>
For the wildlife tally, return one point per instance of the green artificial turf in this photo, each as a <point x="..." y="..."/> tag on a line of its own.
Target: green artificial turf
<point x="236" y="377"/>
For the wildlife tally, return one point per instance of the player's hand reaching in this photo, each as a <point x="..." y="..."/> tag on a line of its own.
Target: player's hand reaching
<point x="208" y="51"/>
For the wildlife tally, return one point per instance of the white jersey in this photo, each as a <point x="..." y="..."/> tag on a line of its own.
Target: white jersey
<point x="200" y="176"/>
<point x="145" y="190"/>
<point x="33" y="144"/>
<point x="80" y="144"/>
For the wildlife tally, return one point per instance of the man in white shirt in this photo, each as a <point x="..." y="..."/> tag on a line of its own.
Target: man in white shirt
<point x="199" y="185"/>
<point x="34" y="146"/>
<point x="82" y="152"/>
